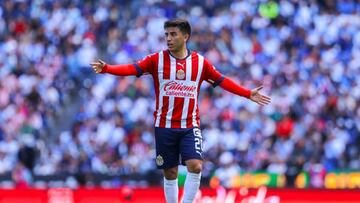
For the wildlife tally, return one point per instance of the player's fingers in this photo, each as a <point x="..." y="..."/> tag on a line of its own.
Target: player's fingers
<point x="259" y="88"/>
<point x="260" y="103"/>
<point x="259" y="100"/>
<point x="101" y="62"/>
<point x="264" y="97"/>
<point x="94" y="64"/>
<point x="267" y="99"/>
<point x="96" y="68"/>
<point x="265" y="102"/>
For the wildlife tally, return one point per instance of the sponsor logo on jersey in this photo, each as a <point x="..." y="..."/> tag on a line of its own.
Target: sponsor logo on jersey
<point x="179" y="89"/>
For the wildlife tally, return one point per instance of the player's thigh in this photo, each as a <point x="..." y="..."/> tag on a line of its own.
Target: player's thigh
<point x="191" y="145"/>
<point x="167" y="148"/>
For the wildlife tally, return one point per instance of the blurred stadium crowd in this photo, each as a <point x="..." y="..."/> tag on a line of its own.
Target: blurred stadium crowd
<point x="305" y="53"/>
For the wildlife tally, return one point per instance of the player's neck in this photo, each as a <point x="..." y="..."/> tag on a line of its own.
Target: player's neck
<point x="180" y="54"/>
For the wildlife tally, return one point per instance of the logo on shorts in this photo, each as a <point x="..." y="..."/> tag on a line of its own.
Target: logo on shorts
<point x="159" y="160"/>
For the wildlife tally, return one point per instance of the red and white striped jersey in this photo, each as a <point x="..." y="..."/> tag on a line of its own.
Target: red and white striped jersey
<point x="177" y="84"/>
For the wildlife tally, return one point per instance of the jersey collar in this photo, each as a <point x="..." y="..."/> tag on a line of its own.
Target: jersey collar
<point x="188" y="54"/>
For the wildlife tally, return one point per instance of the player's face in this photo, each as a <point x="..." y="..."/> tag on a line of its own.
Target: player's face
<point x="175" y="39"/>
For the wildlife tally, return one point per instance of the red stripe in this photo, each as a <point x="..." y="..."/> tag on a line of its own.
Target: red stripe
<point x="164" y="111"/>
<point x="166" y="65"/>
<point x="176" y="117"/>
<point x="180" y="65"/>
<point x="195" y="66"/>
<point x="198" y="90"/>
<point x="156" y="81"/>
<point x="190" y="111"/>
<point x="179" y="101"/>
<point x="166" y="76"/>
<point x="197" y="117"/>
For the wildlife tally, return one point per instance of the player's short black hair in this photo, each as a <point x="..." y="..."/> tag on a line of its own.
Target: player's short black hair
<point x="183" y="25"/>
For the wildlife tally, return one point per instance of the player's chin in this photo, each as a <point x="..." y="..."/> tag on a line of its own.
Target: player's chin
<point x="171" y="48"/>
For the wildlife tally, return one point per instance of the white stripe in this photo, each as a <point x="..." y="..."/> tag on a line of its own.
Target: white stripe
<point x="160" y="76"/>
<point x="187" y="99"/>
<point x="171" y="98"/>
<point x="200" y="68"/>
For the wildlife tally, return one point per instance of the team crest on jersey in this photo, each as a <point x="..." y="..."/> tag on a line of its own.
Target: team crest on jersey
<point x="180" y="74"/>
<point x="159" y="160"/>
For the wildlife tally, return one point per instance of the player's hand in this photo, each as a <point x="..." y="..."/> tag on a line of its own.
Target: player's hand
<point x="259" y="98"/>
<point x="98" y="65"/>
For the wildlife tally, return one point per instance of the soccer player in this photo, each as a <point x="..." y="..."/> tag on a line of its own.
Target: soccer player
<point x="178" y="73"/>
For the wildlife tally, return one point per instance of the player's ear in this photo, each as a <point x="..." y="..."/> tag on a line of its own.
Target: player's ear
<point x="186" y="37"/>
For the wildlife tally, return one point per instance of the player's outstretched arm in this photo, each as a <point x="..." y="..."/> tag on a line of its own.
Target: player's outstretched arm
<point x="254" y="94"/>
<point x="122" y="70"/>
